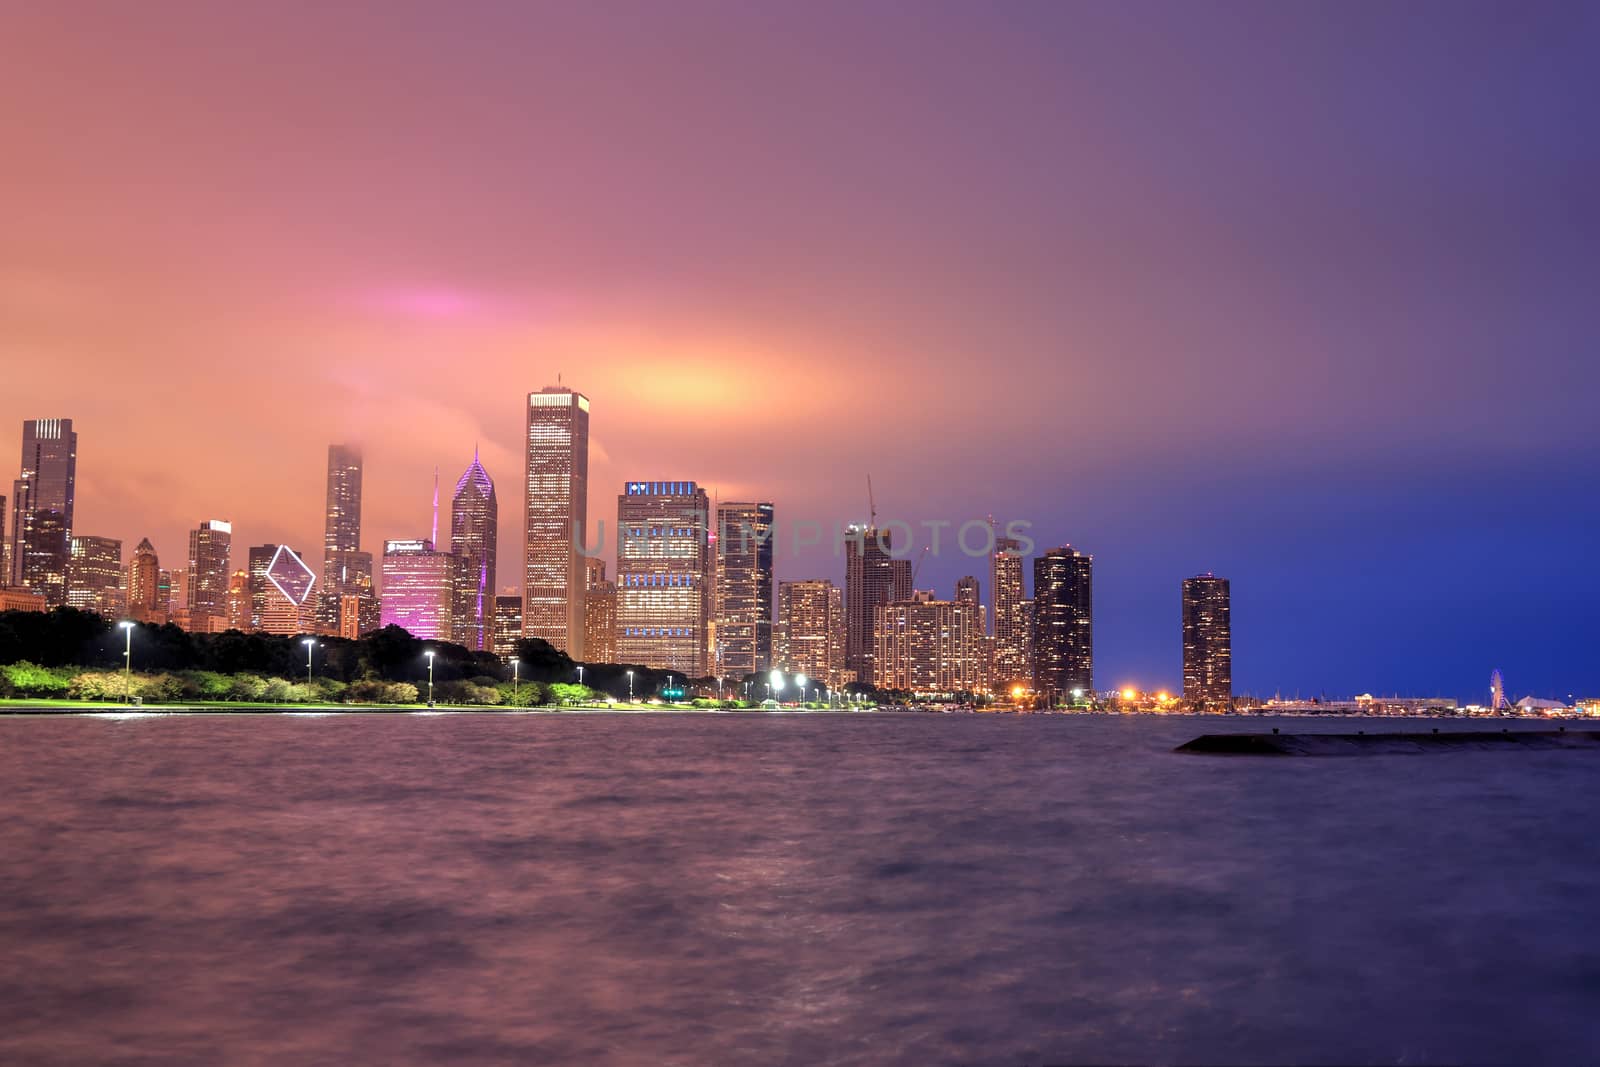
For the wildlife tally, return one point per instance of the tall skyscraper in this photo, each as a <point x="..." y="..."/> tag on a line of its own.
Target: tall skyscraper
<point x="146" y="598"/>
<point x="346" y="570"/>
<point x="282" y="589"/>
<point x="94" y="576"/>
<point x="507" y="625"/>
<point x="5" y="547"/>
<point x="600" y="614"/>
<point x="1063" y="625"/>
<point x="1207" y="641"/>
<point x="1011" y="666"/>
<point x="42" y="500"/>
<point x="474" y="533"/>
<point x="209" y="546"/>
<point x="743" y="588"/>
<point x="873" y="577"/>
<point x="257" y="559"/>
<point x="811" y="631"/>
<point x="929" y="646"/>
<point x="419" y="588"/>
<point x="557" y="517"/>
<point x="663" y="576"/>
<point x="240" y="613"/>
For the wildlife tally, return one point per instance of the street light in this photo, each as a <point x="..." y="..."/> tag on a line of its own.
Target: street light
<point x="310" y="644"/>
<point x="580" y="674"/>
<point x="429" y="654"/>
<point x="775" y="684"/>
<point x="127" y="663"/>
<point x="800" y="680"/>
<point x="630" y="687"/>
<point x="516" y="678"/>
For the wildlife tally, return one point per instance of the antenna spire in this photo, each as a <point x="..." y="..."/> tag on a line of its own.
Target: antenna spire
<point x="436" y="509"/>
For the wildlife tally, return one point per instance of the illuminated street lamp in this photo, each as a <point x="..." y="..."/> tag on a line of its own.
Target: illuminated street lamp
<point x="127" y="663"/>
<point x="516" y="677"/>
<point x="630" y="687"/>
<point x="800" y="680"/>
<point x="580" y="674"/>
<point x="775" y="683"/>
<point x="310" y="644"/>
<point x="429" y="654"/>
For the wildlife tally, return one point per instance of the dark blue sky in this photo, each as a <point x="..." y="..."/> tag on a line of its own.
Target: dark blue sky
<point x="1301" y="293"/>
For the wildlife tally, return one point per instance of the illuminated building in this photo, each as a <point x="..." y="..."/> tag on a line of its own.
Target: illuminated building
<point x="346" y="570"/>
<point x="5" y="548"/>
<point x="419" y="588"/>
<point x="21" y="600"/>
<point x="1063" y="625"/>
<point x="474" y="533"/>
<point x="146" y="596"/>
<point x="1011" y="622"/>
<point x="743" y="588"/>
<point x="208" y="573"/>
<point x="281" y="598"/>
<point x="1207" y="640"/>
<point x="810" y="638"/>
<point x="600" y="614"/>
<point x="172" y="594"/>
<point x="42" y="501"/>
<point x="507" y="625"/>
<point x="663" y="576"/>
<point x="930" y="646"/>
<point x="557" y="517"/>
<point x="873" y="577"/>
<point x="94" y="576"/>
<point x="239" y="605"/>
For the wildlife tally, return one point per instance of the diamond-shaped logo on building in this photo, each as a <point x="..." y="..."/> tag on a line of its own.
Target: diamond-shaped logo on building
<point x="290" y="574"/>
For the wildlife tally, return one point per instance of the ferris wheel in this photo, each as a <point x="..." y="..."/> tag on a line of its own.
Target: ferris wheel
<point x="1497" y="692"/>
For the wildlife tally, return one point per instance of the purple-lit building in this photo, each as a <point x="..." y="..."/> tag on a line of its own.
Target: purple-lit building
<point x="419" y="589"/>
<point x="474" y="522"/>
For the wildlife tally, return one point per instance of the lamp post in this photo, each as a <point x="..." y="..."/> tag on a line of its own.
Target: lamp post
<point x="310" y="644"/>
<point x="429" y="654"/>
<point x="775" y="684"/>
<point x="630" y="687"/>
<point x="800" y="680"/>
<point x="127" y="663"/>
<point x="516" y="678"/>
<point x="580" y="674"/>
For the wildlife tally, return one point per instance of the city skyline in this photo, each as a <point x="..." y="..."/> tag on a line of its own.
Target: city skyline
<point x="1229" y="307"/>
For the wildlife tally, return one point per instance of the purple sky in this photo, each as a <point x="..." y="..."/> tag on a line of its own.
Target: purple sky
<point x="1303" y="294"/>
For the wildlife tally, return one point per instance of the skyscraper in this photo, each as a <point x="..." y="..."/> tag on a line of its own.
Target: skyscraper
<point x="663" y="575"/>
<point x="1011" y="642"/>
<point x="240" y="613"/>
<point x="811" y="632"/>
<point x="419" y="588"/>
<point x="474" y="533"/>
<point x="600" y="614"/>
<point x="346" y="570"/>
<point x="209" y="546"/>
<point x="281" y="591"/>
<point x="42" y="508"/>
<point x="1207" y="641"/>
<point x="94" y="576"/>
<point x="873" y="577"/>
<point x="1063" y="625"/>
<point x="507" y="625"/>
<point x="929" y="646"/>
<point x="146" y="597"/>
<point x="557" y="516"/>
<point x="743" y="588"/>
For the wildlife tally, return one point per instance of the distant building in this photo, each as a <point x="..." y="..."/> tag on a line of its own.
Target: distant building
<point x="1011" y="623"/>
<point x="21" y="600"/>
<point x="557" y="488"/>
<point x="663" y="576"/>
<point x="346" y="570"/>
<point x="419" y="588"/>
<point x="600" y="614"/>
<point x="1207" y="641"/>
<point x="289" y="605"/>
<point x="209" y="547"/>
<point x="874" y="576"/>
<point x="42" y="502"/>
<point x="810" y="636"/>
<point x="507" y="625"/>
<point x="743" y="588"/>
<point x="474" y="534"/>
<point x="929" y="646"/>
<point x="1063" y="625"/>
<point x="146" y="597"/>
<point x="240" y="615"/>
<point x="94" y="576"/>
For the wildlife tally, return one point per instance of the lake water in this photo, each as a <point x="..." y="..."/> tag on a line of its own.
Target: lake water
<point x="510" y="889"/>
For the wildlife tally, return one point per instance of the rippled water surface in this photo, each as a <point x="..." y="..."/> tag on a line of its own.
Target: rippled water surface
<point x="782" y="889"/>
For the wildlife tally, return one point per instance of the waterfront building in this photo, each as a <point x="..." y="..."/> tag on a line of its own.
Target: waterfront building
<point x="287" y="605"/>
<point x="930" y="647"/>
<point x="209" y="546"/>
<point x="1063" y="625"/>
<point x="811" y="631"/>
<point x="42" y="503"/>
<point x="240" y="615"/>
<point x="346" y="569"/>
<point x="507" y="625"/>
<point x="743" y="588"/>
<point x="1207" y="641"/>
<point x="557" y="509"/>
<point x="664" y="573"/>
<point x="1011" y="665"/>
<point x="600" y="614"/>
<point x="419" y="588"/>
<point x="146" y="596"/>
<point x="95" y="576"/>
<point x="874" y="576"/>
<point x="474" y="534"/>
